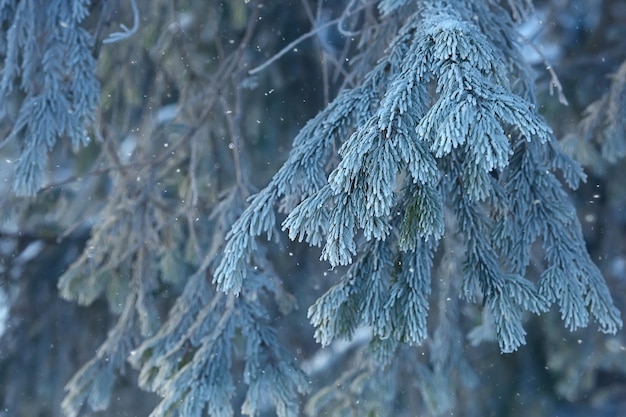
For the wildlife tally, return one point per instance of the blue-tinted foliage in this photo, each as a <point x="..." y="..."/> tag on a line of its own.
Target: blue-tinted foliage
<point x="429" y="183"/>
<point x="49" y="70"/>
<point x="439" y="124"/>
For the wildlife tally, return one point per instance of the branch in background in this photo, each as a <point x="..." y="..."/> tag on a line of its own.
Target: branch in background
<point x="126" y="33"/>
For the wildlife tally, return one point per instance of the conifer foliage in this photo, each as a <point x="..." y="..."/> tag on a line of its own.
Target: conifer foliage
<point x="438" y="123"/>
<point x="48" y="65"/>
<point x="429" y="182"/>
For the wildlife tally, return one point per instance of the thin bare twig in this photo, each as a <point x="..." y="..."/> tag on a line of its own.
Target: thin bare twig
<point x="554" y="79"/>
<point x="304" y="37"/>
<point x="322" y="53"/>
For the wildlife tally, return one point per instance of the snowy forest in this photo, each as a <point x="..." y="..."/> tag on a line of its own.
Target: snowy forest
<point x="336" y="208"/>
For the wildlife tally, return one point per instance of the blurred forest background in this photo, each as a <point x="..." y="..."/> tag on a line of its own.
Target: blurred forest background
<point x="182" y="121"/>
